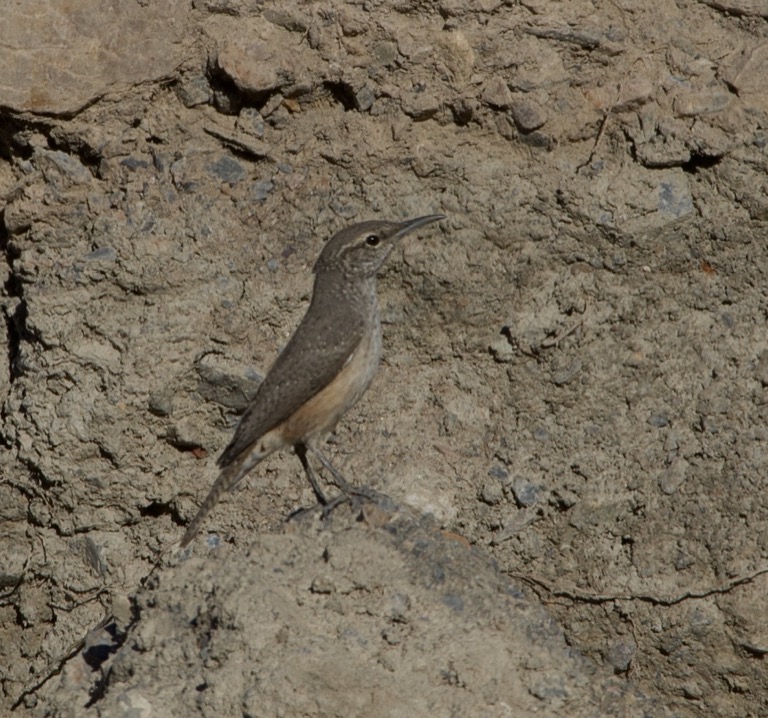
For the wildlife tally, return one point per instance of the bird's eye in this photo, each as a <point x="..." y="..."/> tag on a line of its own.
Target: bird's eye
<point x="372" y="240"/>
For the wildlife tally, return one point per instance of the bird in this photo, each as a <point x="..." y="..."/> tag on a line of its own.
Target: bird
<point x="324" y="369"/>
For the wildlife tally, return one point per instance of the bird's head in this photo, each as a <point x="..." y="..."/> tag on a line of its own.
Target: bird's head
<point x="361" y="249"/>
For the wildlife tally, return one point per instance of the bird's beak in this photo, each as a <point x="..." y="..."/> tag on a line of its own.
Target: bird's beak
<point x="414" y="224"/>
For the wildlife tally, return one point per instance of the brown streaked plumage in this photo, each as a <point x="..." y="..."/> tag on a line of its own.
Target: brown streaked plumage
<point x="326" y="366"/>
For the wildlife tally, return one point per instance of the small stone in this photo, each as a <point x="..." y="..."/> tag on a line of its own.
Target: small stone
<point x="184" y="434"/>
<point x="385" y="53"/>
<point x="280" y="118"/>
<point x="747" y="72"/>
<point x="635" y="93"/>
<point x="567" y="374"/>
<point x="453" y="601"/>
<point x="399" y="606"/>
<point x="227" y="103"/>
<point x="351" y="25"/>
<point x="538" y="140"/>
<point x="620" y="655"/>
<point x="194" y="91"/>
<point x="344" y="207"/>
<point x="658" y="420"/>
<point x="420" y="105"/>
<point x="756" y="647"/>
<point x="502" y="350"/>
<point x="675" y="198"/>
<point x="261" y="189"/>
<point x="549" y="688"/>
<point x="451" y="8"/>
<point x="218" y="383"/>
<point x="15" y="552"/>
<point x="228" y="170"/>
<point x="526" y="494"/>
<point x="364" y="97"/>
<point x="498" y="472"/>
<point x="291" y="20"/>
<point x="102" y="254"/>
<point x="134" y="163"/>
<point x="704" y="102"/>
<point x="492" y="493"/>
<point x="272" y="104"/>
<point x="683" y="561"/>
<point x="161" y="404"/>
<point x="133" y="703"/>
<point x="692" y="691"/>
<point x="565" y="499"/>
<point x="506" y="127"/>
<point x="395" y="634"/>
<point x="671" y="479"/>
<point x="250" y="66"/>
<point x="463" y="110"/>
<point x="250" y="122"/>
<point x="185" y="176"/>
<point x="323" y="584"/>
<point x="67" y="165"/>
<point x="528" y="115"/>
<point x="496" y="93"/>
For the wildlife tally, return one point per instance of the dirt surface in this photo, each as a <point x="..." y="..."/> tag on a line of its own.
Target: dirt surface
<point x="569" y="420"/>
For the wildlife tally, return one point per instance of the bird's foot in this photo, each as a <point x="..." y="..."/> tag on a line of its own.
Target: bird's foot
<point x="355" y="496"/>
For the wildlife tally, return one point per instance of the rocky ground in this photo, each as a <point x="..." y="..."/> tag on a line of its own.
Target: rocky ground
<point x="569" y="421"/>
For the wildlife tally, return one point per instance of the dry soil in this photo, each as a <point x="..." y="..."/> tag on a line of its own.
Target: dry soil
<point x="568" y="427"/>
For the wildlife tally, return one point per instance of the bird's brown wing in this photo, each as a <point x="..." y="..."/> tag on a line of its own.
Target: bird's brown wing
<point x="318" y="350"/>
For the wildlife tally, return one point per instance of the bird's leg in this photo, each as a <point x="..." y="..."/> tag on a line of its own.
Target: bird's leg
<point x="338" y="479"/>
<point x="346" y="488"/>
<point x="349" y="493"/>
<point x="328" y="506"/>
<point x="301" y="452"/>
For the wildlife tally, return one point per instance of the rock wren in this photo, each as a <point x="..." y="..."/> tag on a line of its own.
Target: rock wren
<point x="326" y="365"/>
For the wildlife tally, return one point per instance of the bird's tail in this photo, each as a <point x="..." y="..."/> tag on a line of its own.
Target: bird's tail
<point x="228" y="477"/>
